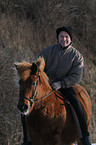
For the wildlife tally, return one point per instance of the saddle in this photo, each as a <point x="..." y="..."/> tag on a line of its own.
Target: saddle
<point x="62" y="97"/>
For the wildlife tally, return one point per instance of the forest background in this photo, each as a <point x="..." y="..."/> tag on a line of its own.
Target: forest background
<point x="28" y="26"/>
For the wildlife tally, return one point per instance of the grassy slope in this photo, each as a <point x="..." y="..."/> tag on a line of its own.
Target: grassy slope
<point x="28" y="27"/>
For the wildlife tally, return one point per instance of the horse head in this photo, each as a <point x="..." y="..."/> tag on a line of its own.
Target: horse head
<point x="30" y="79"/>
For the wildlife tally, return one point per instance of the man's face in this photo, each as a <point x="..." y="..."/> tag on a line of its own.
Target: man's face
<point x="64" y="39"/>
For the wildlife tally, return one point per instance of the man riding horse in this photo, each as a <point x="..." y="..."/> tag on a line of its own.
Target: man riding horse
<point x="64" y="67"/>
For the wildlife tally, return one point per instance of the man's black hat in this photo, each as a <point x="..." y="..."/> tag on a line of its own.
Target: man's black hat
<point x="66" y="29"/>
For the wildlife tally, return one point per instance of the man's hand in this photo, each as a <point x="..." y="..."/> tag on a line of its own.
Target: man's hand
<point x="56" y="85"/>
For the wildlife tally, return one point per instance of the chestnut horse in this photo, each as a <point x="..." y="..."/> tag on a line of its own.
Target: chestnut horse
<point x="49" y="120"/>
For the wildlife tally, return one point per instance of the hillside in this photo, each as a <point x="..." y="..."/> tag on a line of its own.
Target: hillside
<point x="26" y="27"/>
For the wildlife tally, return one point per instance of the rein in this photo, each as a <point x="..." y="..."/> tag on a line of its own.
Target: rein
<point x="45" y="96"/>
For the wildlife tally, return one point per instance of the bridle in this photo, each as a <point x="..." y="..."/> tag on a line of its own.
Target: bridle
<point x="34" y="96"/>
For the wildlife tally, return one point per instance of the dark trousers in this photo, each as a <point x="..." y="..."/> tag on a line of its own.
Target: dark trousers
<point x="71" y="95"/>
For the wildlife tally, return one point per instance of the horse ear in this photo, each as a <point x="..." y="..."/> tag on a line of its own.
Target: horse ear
<point x="16" y="65"/>
<point x="34" y="69"/>
<point x="23" y="69"/>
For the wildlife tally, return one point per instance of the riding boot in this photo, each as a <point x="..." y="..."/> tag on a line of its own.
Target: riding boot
<point x="85" y="141"/>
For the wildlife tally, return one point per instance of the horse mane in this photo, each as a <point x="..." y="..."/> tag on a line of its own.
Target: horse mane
<point x="24" y="68"/>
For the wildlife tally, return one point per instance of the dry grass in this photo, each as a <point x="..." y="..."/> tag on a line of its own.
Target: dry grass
<point x="26" y="27"/>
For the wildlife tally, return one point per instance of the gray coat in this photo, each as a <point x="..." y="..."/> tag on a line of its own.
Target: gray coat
<point x="65" y="65"/>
